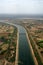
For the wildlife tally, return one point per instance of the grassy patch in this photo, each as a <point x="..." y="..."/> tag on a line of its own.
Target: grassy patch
<point x="41" y="41"/>
<point x="41" y="45"/>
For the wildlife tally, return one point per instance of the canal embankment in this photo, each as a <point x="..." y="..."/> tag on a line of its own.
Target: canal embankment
<point x="16" y="59"/>
<point x="34" y="58"/>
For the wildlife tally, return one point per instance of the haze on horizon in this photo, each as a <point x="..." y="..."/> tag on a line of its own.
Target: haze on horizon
<point x="21" y="7"/>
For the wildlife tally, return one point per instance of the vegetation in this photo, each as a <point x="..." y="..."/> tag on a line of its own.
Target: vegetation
<point x="8" y="48"/>
<point x="40" y="43"/>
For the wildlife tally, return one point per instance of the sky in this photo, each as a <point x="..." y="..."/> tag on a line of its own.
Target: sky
<point x="21" y="6"/>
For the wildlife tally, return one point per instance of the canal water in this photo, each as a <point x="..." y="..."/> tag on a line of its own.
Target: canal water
<point x="25" y="56"/>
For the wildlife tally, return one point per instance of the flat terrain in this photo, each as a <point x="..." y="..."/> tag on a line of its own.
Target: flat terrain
<point x="8" y="42"/>
<point x="34" y="28"/>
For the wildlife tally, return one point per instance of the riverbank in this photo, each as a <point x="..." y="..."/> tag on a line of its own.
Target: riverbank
<point x="34" y="58"/>
<point x="16" y="60"/>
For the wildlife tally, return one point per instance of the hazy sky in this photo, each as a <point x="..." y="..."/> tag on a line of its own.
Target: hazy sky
<point x="21" y="6"/>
